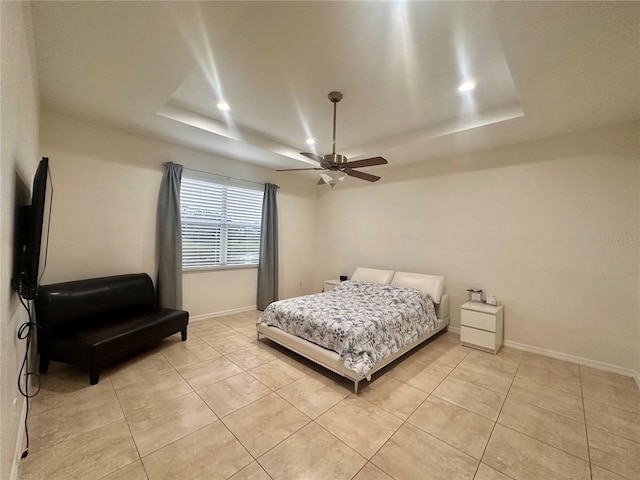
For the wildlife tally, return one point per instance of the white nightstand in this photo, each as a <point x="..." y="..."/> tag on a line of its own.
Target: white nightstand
<point x="481" y="326"/>
<point x="329" y="284"/>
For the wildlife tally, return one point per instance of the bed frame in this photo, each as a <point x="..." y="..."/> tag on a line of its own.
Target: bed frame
<point x="331" y="360"/>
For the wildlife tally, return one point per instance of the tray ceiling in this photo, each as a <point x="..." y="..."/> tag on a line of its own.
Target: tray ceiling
<point x="159" y="68"/>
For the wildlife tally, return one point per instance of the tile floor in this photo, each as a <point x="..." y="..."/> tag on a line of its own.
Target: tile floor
<point x="223" y="405"/>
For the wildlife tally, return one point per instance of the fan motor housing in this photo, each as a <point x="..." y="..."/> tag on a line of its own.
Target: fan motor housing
<point x="335" y="158"/>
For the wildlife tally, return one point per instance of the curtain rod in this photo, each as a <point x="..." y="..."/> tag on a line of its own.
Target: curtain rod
<point x="228" y="177"/>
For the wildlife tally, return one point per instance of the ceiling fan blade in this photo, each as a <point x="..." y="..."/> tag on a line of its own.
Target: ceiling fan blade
<point x="361" y="175"/>
<point x="313" y="156"/>
<point x="367" y="162"/>
<point x="317" y="158"/>
<point x="297" y="169"/>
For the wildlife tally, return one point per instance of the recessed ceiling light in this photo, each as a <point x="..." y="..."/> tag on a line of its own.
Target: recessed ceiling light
<point x="310" y="141"/>
<point x="467" y="86"/>
<point x="224" y="106"/>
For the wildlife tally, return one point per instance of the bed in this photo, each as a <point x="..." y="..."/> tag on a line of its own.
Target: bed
<point x="362" y="324"/>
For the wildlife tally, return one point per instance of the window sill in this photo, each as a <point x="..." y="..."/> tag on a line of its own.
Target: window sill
<point x="216" y="269"/>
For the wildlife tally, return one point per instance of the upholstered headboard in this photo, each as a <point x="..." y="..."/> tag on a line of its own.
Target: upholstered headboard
<point x="372" y="275"/>
<point x="431" y="284"/>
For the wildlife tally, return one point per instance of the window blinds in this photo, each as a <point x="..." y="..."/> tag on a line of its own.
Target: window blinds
<point x="220" y="224"/>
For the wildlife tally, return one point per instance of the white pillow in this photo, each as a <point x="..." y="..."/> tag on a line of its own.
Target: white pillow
<point x="372" y="275"/>
<point x="431" y="284"/>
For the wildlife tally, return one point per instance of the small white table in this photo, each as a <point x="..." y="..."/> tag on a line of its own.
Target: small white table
<point x="482" y="326"/>
<point x="329" y="284"/>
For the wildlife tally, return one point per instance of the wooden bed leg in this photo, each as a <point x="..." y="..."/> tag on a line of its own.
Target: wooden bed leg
<point x="355" y="387"/>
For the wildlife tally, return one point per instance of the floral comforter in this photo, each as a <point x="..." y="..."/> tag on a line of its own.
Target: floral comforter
<point x="363" y="322"/>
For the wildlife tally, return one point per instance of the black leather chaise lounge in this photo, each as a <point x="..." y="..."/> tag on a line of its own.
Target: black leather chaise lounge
<point x="96" y="322"/>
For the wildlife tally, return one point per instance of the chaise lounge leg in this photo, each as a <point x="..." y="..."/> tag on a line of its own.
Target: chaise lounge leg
<point x="44" y="363"/>
<point x="94" y="376"/>
<point x="183" y="333"/>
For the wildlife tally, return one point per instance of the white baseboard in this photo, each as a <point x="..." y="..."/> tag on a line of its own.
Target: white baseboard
<point x="608" y="367"/>
<point x="587" y="362"/>
<point x="222" y="313"/>
<point x="15" y="468"/>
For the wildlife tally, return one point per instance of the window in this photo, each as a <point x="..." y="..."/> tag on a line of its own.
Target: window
<point x="220" y="224"/>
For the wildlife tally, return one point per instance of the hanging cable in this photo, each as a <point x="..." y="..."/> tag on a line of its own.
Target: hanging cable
<point x="24" y="333"/>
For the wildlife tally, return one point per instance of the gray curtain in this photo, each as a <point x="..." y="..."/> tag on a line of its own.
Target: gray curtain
<point x="268" y="266"/>
<point x="169" y="285"/>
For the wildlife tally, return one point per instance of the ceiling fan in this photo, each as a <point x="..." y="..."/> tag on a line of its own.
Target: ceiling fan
<point x="336" y="166"/>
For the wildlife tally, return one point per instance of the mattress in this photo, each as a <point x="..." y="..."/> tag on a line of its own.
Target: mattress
<point x="362" y="322"/>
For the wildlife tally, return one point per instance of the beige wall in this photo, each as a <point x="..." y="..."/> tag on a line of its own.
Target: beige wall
<point x="103" y="222"/>
<point x="19" y="158"/>
<point x="526" y="222"/>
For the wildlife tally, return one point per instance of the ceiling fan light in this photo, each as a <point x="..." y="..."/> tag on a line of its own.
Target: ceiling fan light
<point x="332" y="177"/>
<point x="337" y="176"/>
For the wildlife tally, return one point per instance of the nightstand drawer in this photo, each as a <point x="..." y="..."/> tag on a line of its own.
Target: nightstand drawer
<point x="483" y="321"/>
<point x="478" y="338"/>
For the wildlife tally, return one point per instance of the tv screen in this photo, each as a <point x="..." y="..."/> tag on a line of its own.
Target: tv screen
<point x="28" y="243"/>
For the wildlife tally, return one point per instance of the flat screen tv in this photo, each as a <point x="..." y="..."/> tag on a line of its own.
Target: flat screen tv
<point x="28" y="239"/>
